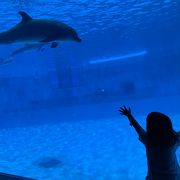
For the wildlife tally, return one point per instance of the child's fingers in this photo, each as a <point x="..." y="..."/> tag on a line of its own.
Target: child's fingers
<point x="121" y="111"/>
<point x="125" y="108"/>
<point x="121" y="108"/>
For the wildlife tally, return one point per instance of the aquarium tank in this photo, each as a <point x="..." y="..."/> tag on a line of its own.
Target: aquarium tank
<point x="66" y="67"/>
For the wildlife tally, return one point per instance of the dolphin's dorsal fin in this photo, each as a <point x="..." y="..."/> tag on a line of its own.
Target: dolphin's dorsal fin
<point x="25" y="17"/>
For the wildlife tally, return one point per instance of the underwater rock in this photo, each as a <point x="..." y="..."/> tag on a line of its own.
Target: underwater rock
<point x="49" y="162"/>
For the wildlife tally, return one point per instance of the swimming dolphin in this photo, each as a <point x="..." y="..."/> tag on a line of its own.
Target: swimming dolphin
<point x="26" y="47"/>
<point x="31" y="30"/>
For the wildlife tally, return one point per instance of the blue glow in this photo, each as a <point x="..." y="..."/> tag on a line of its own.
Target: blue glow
<point x="117" y="58"/>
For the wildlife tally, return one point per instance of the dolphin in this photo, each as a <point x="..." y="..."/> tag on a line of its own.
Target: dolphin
<point x="26" y="47"/>
<point x="30" y="30"/>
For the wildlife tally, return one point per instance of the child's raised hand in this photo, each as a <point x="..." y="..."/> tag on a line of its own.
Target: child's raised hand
<point x="125" y="111"/>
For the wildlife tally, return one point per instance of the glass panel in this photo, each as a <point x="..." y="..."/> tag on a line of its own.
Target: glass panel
<point x="65" y="69"/>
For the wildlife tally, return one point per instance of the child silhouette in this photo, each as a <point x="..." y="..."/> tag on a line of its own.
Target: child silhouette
<point x="161" y="143"/>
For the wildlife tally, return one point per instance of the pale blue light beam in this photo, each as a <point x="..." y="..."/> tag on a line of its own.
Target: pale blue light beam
<point x="117" y="58"/>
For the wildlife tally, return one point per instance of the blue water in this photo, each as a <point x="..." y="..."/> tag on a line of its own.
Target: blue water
<point x="62" y="103"/>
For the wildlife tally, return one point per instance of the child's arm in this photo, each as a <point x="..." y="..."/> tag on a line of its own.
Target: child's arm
<point x="141" y="132"/>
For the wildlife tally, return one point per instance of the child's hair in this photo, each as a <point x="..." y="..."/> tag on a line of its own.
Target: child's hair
<point x="160" y="132"/>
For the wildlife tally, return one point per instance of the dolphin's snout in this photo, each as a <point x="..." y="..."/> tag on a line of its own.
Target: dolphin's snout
<point x="78" y="39"/>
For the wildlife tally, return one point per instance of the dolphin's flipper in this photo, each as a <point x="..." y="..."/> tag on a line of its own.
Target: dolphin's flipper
<point x="54" y="44"/>
<point x="25" y="17"/>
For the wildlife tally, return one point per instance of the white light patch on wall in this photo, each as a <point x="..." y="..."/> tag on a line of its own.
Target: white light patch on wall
<point x="117" y="58"/>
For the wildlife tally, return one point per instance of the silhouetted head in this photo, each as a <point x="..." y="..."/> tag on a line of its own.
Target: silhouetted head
<point x="159" y="130"/>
